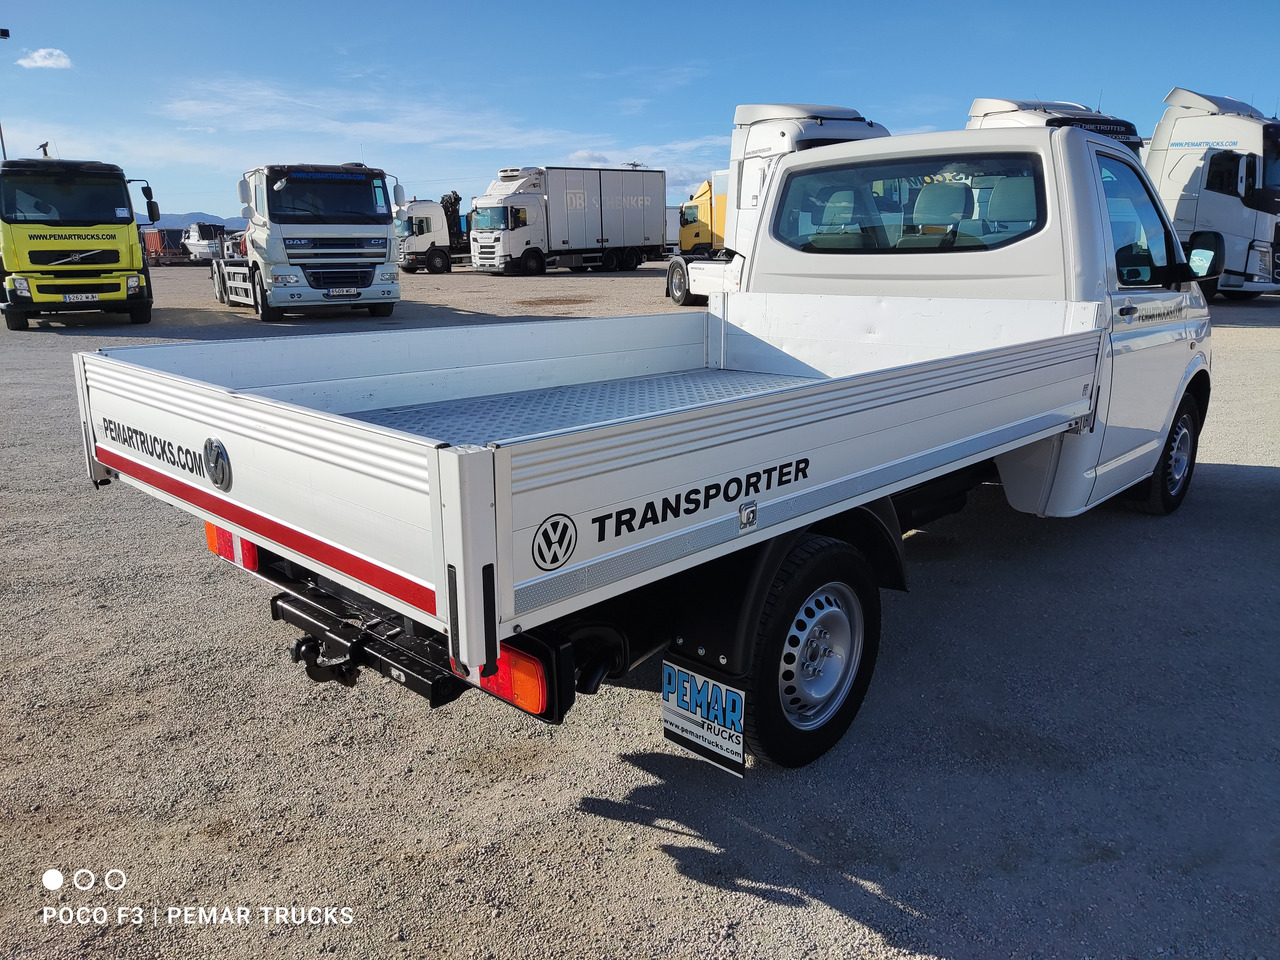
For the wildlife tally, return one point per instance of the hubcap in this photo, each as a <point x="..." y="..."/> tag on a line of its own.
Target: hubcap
<point x="677" y="284"/>
<point x="820" y="656"/>
<point x="1179" y="456"/>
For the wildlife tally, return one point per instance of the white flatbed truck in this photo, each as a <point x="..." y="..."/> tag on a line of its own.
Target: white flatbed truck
<point x="528" y="508"/>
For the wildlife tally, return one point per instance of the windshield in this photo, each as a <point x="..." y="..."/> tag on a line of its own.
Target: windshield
<point x="1271" y="158"/>
<point x="489" y="218"/>
<point x="404" y="229"/>
<point x="67" y="200"/>
<point x="323" y="197"/>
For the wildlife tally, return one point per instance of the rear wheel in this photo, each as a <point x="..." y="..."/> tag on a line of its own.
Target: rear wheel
<point x="219" y="283"/>
<point x="381" y="309"/>
<point x="437" y="261"/>
<point x="631" y="259"/>
<point x="579" y="269"/>
<point x="815" y="651"/>
<point x="678" y="286"/>
<point x="15" y="319"/>
<point x="610" y="261"/>
<point x="1241" y="294"/>
<point x="266" y="312"/>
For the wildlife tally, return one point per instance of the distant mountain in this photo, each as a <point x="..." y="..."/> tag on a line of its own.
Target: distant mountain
<point x="180" y="221"/>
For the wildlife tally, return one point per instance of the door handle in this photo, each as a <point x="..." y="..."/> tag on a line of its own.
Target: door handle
<point x="1128" y="311"/>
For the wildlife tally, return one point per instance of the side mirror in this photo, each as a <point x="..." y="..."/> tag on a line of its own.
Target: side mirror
<point x="1205" y="253"/>
<point x="401" y="213"/>
<point x="146" y="193"/>
<point x="243" y="187"/>
<point x="153" y="208"/>
<point x="247" y="212"/>
<point x="397" y="193"/>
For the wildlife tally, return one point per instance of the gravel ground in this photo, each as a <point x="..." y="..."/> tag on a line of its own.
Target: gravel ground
<point x="1069" y="749"/>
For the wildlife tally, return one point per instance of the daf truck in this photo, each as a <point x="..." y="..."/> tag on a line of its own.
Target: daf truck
<point x="532" y="218"/>
<point x="317" y="237"/>
<point x="762" y="135"/>
<point x="528" y="509"/>
<point x="69" y="241"/>
<point x="1216" y="162"/>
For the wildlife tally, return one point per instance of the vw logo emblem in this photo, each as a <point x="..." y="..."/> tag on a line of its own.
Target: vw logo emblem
<point x="554" y="541"/>
<point x="217" y="464"/>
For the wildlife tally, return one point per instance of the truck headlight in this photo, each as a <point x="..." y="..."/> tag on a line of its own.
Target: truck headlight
<point x="132" y="283"/>
<point x="20" y="285"/>
<point x="284" y="279"/>
<point x="388" y="276"/>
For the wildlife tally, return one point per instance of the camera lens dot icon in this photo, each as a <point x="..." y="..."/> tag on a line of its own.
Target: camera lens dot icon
<point x="52" y="879"/>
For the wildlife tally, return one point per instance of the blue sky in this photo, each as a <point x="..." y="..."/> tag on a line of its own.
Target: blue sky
<point x="190" y="95"/>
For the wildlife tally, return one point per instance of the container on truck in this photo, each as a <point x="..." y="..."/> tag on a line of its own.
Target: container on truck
<point x="1216" y="163"/>
<point x="318" y="236"/>
<point x="431" y="236"/>
<point x="69" y="241"/>
<point x="532" y="218"/>
<point x="529" y="509"/>
<point x="763" y="133"/>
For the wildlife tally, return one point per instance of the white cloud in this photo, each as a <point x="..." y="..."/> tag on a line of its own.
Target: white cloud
<point x="49" y="57"/>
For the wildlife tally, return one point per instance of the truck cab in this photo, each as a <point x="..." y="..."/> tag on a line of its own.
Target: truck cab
<point x="762" y="135"/>
<point x="317" y="236"/>
<point x="986" y="113"/>
<point x="1216" y="163"/>
<point x="69" y="241"/>
<point x="702" y="217"/>
<point x="508" y="223"/>
<point x="426" y="240"/>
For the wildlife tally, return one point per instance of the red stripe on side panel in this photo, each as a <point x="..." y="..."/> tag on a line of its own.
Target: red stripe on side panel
<point x="392" y="584"/>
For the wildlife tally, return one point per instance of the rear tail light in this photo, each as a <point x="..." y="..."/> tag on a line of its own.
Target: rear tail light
<point x="520" y="679"/>
<point x="230" y="546"/>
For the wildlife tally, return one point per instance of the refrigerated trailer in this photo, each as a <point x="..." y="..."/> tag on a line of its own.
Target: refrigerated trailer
<point x="532" y="218"/>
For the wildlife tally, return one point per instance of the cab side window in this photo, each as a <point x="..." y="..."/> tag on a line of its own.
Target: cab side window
<point x="1138" y="233"/>
<point x="1223" y="174"/>
<point x="519" y="217"/>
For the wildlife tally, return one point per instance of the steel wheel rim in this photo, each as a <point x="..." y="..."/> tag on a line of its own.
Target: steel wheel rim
<point x="820" y="655"/>
<point x="1179" y="455"/>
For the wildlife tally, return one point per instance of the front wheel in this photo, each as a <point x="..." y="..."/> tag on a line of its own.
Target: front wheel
<point x="815" y="650"/>
<point x="15" y="318"/>
<point x="1166" y="488"/>
<point x="381" y="309"/>
<point x="437" y="261"/>
<point x="266" y="312"/>
<point x="532" y="264"/>
<point x="678" y="286"/>
<point x="1242" y="294"/>
<point x="140" y="313"/>
<point x="1209" y="288"/>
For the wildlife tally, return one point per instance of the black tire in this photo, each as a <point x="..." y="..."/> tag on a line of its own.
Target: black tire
<point x="678" y="286"/>
<point x="631" y="259"/>
<point x="408" y="268"/>
<point x="532" y="263"/>
<point x="266" y="312"/>
<point x="16" y="319"/>
<point x="610" y="262"/>
<point x="437" y="261"/>
<point x="140" y="313"/>
<point x="822" y="608"/>
<point x="1209" y="288"/>
<point x="1242" y="294"/>
<point x="381" y="309"/>
<point x="219" y="283"/>
<point x="1163" y="492"/>
<point x="579" y="269"/>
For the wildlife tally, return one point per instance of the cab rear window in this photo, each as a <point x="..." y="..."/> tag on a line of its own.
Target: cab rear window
<point x="937" y="204"/>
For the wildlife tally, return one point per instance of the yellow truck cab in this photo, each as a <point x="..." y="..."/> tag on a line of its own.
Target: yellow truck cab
<point x="702" y="216"/>
<point x="68" y="241"/>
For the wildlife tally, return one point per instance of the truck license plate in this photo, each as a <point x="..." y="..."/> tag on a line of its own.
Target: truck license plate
<point x="79" y="297"/>
<point x="343" y="291"/>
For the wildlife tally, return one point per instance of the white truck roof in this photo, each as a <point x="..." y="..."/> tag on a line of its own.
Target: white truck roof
<point x="1203" y="103"/>
<point x="749" y="113"/>
<point x="986" y="106"/>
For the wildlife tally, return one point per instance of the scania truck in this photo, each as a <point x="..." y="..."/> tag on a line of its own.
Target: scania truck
<point x="702" y="217"/>
<point x="69" y="241"/>
<point x="1216" y="162"/>
<point x="762" y="135"/>
<point x="318" y="237"/>
<point x="532" y="218"/>
<point x="526" y="509"/>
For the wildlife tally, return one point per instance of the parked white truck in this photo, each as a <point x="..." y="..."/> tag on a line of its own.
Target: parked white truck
<point x="989" y="112"/>
<point x="318" y="236"/>
<point x="532" y="218"/>
<point x="529" y="508"/>
<point x="763" y="134"/>
<point x="430" y="236"/>
<point x="1216" y="164"/>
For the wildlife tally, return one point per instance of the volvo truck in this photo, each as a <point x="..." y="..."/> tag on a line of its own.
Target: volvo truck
<point x="532" y="218"/>
<point x="318" y="237"/>
<point x="69" y="241"/>
<point x="762" y="135"/>
<point x="1216" y="163"/>
<point x="528" y="509"/>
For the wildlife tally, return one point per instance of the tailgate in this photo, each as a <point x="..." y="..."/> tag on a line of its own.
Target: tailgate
<point x="343" y="499"/>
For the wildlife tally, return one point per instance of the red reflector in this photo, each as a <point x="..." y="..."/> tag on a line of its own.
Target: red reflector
<point x="520" y="680"/>
<point x="248" y="554"/>
<point x="223" y="543"/>
<point x="226" y="547"/>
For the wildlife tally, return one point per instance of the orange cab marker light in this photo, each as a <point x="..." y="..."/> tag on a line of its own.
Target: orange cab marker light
<point x="519" y="679"/>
